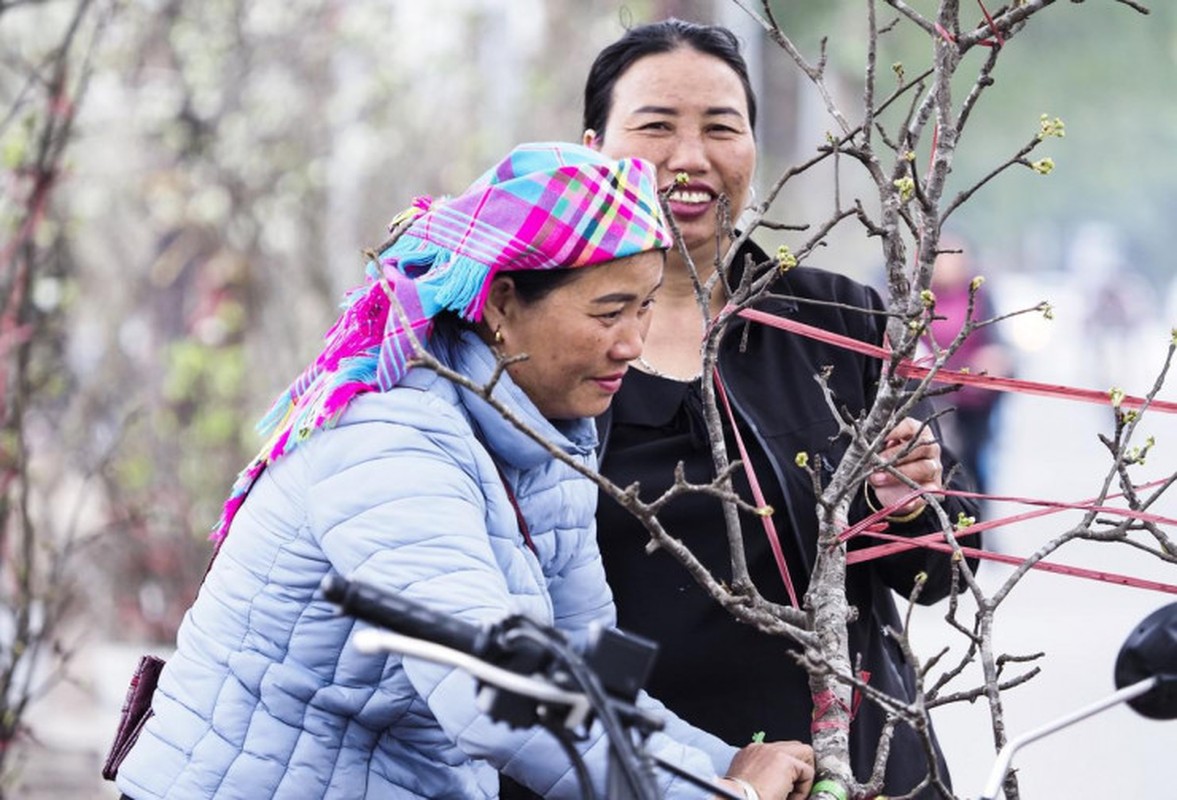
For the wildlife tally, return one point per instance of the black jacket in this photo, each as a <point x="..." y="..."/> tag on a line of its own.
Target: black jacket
<point x="769" y="376"/>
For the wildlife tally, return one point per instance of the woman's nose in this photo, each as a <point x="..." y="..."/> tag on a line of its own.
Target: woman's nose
<point x="629" y="342"/>
<point x="689" y="154"/>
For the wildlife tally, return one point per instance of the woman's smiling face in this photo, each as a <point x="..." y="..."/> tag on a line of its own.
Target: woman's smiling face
<point x="578" y="338"/>
<point x="687" y="113"/>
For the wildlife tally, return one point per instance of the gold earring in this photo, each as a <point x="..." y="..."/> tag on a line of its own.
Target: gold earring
<point x="498" y="335"/>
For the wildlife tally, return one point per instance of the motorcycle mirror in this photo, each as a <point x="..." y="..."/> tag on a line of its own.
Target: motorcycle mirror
<point x="1151" y="651"/>
<point x="1146" y="679"/>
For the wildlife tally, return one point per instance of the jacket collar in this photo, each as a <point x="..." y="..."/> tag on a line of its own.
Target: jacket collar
<point x="468" y="354"/>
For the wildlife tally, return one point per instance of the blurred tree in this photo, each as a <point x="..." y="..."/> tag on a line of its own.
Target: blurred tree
<point x="233" y="158"/>
<point x="227" y="192"/>
<point x="43" y="78"/>
<point x="238" y="157"/>
<point x="1114" y="165"/>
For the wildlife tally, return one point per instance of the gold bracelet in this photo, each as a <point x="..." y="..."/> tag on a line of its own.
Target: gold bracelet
<point x="867" y="491"/>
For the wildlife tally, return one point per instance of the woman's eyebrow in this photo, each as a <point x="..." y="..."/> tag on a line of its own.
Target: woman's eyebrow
<point x="674" y="112"/>
<point x="724" y="111"/>
<point x="656" y="110"/>
<point x="615" y="297"/>
<point x="622" y="297"/>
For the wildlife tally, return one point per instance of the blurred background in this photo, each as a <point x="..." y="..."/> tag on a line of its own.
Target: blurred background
<point x="188" y="188"/>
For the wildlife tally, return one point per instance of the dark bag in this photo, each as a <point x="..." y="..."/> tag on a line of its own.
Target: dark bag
<point x="136" y="711"/>
<point x="137" y="707"/>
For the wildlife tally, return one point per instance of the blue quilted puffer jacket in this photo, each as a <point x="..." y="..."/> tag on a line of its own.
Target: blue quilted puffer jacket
<point x="265" y="697"/>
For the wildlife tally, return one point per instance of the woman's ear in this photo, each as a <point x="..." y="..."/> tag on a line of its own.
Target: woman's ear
<point x="591" y="139"/>
<point x="500" y="299"/>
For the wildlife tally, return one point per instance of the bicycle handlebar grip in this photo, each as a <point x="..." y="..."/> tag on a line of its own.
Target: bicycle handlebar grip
<point x="408" y="617"/>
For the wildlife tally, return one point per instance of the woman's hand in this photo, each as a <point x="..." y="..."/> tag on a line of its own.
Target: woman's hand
<point x="921" y="465"/>
<point x="775" y="770"/>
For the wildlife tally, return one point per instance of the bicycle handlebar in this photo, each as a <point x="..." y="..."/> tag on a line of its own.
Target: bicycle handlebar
<point x="397" y="614"/>
<point x="527" y="651"/>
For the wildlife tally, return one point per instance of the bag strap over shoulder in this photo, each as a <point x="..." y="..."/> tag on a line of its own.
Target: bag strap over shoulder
<point x="523" y="529"/>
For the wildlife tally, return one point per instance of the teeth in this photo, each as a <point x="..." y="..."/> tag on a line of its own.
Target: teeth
<point x="684" y="196"/>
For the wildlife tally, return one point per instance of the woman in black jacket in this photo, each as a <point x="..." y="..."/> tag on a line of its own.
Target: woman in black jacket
<point x="678" y="95"/>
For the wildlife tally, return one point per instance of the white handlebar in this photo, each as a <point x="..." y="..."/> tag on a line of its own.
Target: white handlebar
<point x="371" y="640"/>
<point x="993" y="786"/>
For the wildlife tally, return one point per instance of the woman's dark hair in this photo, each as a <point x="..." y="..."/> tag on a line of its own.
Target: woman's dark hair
<point x="533" y="285"/>
<point x="658" y="37"/>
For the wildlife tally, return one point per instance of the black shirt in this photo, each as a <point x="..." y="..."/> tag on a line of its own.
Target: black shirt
<point x="657" y="423"/>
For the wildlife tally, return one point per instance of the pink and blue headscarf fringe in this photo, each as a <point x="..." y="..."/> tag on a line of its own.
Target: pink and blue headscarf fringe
<point x="369" y="348"/>
<point x="547" y="205"/>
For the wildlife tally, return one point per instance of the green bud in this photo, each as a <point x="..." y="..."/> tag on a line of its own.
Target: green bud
<point x="906" y="187"/>
<point x="785" y="258"/>
<point x="1050" y="127"/>
<point x="1043" y="166"/>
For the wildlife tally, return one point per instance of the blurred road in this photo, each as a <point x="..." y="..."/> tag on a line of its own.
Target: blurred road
<point x="1046" y="449"/>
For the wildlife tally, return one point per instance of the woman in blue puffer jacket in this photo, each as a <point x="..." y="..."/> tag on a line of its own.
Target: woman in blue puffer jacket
<point x="388" y="473"/>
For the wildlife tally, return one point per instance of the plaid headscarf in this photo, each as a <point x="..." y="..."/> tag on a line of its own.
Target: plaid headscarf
<point x="545" y="206"/>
